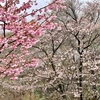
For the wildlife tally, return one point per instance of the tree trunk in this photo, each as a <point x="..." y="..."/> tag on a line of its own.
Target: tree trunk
<point x="80" y="77"/>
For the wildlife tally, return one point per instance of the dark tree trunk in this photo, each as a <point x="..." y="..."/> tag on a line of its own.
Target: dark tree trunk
<point x="80" y="76"/>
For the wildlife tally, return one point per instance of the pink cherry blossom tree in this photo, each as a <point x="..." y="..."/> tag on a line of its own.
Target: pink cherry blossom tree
<point x="15" y="52"/>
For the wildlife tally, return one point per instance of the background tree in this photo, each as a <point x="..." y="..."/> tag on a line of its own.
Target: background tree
<point x="69" y="52"/>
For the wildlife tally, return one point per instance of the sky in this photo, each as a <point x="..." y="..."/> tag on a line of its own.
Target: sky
<point x="45" y="2"/>
<point x="42" y="3"/>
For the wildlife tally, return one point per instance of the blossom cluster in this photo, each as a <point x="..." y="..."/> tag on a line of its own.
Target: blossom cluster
<point x="15" y="51"/>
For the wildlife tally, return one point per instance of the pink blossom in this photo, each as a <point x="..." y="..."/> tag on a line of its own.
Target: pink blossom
<point x="59" y="28"/>
<point x="2" y="1"/>
<point x="14" y="78"/>
<point x="54" y="17"/>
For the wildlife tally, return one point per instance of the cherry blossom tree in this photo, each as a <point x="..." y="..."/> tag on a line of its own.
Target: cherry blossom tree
<point x="84" y="29"/>
<point x="14" y="48"/>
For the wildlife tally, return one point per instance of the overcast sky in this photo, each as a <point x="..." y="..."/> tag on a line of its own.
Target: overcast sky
<point x="42" y="3"/>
